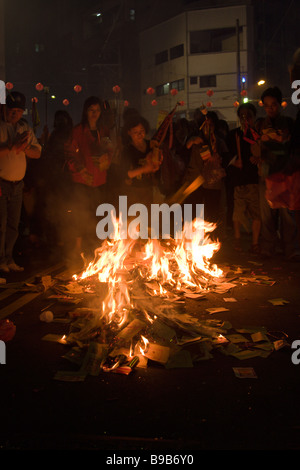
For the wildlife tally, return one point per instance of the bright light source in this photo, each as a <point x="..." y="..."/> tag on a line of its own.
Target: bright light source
<point x="243" y="79"/>
<point x="53" y="97"/>
<point x="261" y="82"/>
<point x="245" y="100"/>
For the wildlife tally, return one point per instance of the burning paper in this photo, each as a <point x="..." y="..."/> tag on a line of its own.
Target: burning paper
<point x="135" y="296"/>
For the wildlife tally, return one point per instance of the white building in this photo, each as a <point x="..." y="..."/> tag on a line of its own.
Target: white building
<point x="194" y="52"/>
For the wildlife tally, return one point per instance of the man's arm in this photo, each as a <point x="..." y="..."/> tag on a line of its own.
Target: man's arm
<point x="33" y="151"/>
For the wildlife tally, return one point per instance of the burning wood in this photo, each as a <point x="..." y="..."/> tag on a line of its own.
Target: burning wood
<point x="134" y="311"/>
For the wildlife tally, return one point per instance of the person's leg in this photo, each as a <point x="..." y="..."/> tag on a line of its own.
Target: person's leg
<point x="14" y="208"/>
<point x="238" y="216"/>
<point x="288" y="233"/>
<point x="253" y="207"/>
<point x="269" y="238"/>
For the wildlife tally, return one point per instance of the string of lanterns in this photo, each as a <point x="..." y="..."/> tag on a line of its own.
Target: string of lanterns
<point x="150" y="91"/>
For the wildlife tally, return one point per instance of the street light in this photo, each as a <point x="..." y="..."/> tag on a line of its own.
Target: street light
<point x="261" y="82"/>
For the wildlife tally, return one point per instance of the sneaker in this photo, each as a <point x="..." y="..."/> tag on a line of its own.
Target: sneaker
<point x="14" y="267"/>
<point x="4" y="268"/>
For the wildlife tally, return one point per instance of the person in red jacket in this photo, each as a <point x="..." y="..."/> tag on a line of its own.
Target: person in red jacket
<point x="90" y="155"/>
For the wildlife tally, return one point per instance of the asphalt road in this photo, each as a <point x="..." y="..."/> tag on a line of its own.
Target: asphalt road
<point x="186" y="409"/>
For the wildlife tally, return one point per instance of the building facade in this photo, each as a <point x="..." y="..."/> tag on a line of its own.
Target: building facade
<point x="206" y="55"/>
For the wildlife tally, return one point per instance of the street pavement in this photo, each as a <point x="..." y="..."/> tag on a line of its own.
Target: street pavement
<point x="186" y="409"/>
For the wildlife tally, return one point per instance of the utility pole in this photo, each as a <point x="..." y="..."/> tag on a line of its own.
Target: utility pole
<point x="238" y="60"/>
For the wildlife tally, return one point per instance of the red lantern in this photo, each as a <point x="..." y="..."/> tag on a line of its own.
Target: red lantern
<point x="39" y="86"/>
<point x="236" y="104"/>
<point x="209" y="104"/>
<point x="126" y="103"/>
<point x="9" y="86"/>
<point x="150" y="91"/>
<point x="284" y="104"/>
<point x="77" y="88"/>
<point x="244" y="93"/>
<point x="7" y="330"/>
<point x="116" y="89"/>
<point x="174" y="92"/>
<point x="209" y="92"/>
<point x="260" y="103"/>
<point x="154" y="102"/>
<point x="34" y="99"/>
<point x="181" y="103"/>
<point x="66" y="102"/>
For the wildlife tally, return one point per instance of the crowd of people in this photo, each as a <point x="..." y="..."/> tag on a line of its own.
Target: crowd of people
<point x="53" y="186"/>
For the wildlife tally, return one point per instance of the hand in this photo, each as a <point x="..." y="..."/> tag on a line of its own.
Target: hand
<point x="21" y="142"/>
<point x="103" y="162"/>
<point x="152" y="165"/>
<point x="238" y="163"/>
<point x="194" y="141"/>
<point x="255" y="159"/>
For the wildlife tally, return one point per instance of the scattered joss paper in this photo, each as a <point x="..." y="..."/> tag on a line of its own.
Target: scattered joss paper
<point x="245" y="372"/>
<point x="278" y="301"/>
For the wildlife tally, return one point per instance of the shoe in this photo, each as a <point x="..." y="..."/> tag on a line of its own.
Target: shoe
<point x="4" y="268"/>
<point x="15" y="267"/>
<point x="294" y="257"/>
<point x="255" y="249"/>
<point x="237" y="245"/>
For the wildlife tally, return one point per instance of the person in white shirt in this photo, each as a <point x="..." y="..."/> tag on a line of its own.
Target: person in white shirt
<point x="17" y="141"/>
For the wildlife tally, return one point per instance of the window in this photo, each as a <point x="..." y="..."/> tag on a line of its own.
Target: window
<point x="163" y="89"/>
<point x="177" y="84"/>
<point x="193" y="80"/>
<point x="166" y="87"/>
<point x="214" y="40"/>
<point x="207" y="81"/>
<point x="177" y="51"/>
<point x="39" y="47"/>
<point x="161" y="57"/>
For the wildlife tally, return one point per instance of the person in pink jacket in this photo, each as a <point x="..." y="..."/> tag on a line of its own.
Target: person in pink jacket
<point x="90" y="155"/>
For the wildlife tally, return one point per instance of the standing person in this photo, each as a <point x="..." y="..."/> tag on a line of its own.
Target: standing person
<point x="90" y="157"/>
<point x="208" y="155"/>
<point x="295" y="138"/>
<point x="57" y="177"/>
<point x="17" y="141"/>
<point x="243" y="176"/>
<point x="137" y="165"/>
<point x="275" y="131"/>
